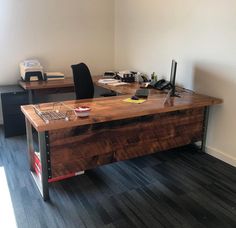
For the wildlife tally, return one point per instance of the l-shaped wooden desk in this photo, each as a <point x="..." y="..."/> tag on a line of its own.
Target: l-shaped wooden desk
<point x="114" y="131"/>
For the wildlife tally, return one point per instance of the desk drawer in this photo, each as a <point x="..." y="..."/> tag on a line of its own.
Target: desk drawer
<point x="13" y="109"/>
<point x="13" y="118"/>
<point x="14" y="125"/>
<point x="17" y="98"/>
<point x="11" y="102"/>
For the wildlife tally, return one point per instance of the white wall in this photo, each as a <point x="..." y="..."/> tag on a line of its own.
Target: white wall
<point x="57" y="32"/>
<point x="201" y="36"/>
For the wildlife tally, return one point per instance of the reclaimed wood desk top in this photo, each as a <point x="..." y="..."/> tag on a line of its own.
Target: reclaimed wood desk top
<point x="69" y="83"/>
<point x="40" y="85"/>
<point x="107" y="109"/>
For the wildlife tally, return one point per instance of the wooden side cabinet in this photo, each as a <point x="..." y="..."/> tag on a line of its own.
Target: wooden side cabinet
<point x="12" y="98"/>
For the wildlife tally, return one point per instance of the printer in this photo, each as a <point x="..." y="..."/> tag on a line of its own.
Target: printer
<point x="31" y="70"/>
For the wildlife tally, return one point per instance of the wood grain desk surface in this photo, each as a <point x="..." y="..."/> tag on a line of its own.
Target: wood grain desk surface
<point x="114" y="108"/>
<point x="39" y="85"/>
<point x="69" y="83"/>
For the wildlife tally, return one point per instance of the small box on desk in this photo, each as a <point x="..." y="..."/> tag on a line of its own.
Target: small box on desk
<point x="54" y="76"/>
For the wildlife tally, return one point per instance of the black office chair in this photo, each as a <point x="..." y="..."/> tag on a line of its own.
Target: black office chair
<point x="84" y="87"/>
<point x="83" y="81"/>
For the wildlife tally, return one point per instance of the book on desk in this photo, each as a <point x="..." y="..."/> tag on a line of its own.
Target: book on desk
<point x="54" y="76"/>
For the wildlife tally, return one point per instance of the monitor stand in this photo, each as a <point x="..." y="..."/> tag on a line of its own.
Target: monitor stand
<point x="172" y="92"/>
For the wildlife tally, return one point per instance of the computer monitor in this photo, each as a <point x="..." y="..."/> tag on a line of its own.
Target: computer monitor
<point x="172" y="76"/>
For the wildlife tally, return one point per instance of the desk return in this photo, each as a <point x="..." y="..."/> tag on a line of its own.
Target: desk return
<point x="114" y="131"/>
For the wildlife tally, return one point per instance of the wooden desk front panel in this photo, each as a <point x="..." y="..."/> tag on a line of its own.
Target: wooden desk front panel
<point x="86" y="147"/>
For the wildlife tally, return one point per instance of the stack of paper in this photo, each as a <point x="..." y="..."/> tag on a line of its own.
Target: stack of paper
<point x="108" y="81"/>
<point x="112" y="82"/>
<point x="118" y="83"/>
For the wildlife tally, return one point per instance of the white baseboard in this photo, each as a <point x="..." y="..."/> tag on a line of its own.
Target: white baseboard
<point x="221" y="155"/>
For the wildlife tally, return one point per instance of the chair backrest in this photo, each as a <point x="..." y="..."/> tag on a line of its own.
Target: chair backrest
<point x="83" y="81"/>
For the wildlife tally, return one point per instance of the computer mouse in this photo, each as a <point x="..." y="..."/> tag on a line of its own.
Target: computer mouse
<point x="135" y="98"/>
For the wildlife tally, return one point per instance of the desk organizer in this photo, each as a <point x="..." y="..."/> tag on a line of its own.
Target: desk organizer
<point x="58" y="111"/>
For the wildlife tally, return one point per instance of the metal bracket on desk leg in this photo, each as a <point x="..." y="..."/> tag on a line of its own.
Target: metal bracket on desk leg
<point x="205" y="125"/>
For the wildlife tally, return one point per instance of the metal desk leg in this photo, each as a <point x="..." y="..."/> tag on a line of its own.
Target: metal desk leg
<point x="30" y="144"/>
<point x="42" y="180"/>
<point x="44" y="168"/>
<point x="205" y="125"/>
<point x="30" y="96"/>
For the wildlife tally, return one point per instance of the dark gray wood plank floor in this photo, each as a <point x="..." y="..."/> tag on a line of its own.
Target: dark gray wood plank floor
<point x="178" y="188"/>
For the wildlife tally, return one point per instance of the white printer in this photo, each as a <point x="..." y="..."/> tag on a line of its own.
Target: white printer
<point x="31" y="70"/>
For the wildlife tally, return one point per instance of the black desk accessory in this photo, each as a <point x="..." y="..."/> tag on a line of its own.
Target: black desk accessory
<point x="109" y="74"/>
<point x="135" y="98"/>
<point x="173" y="76"/>
<point x="142" y="93"/>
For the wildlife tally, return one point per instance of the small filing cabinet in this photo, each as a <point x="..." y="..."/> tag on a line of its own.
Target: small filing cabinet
<point x="12" y="98"/>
